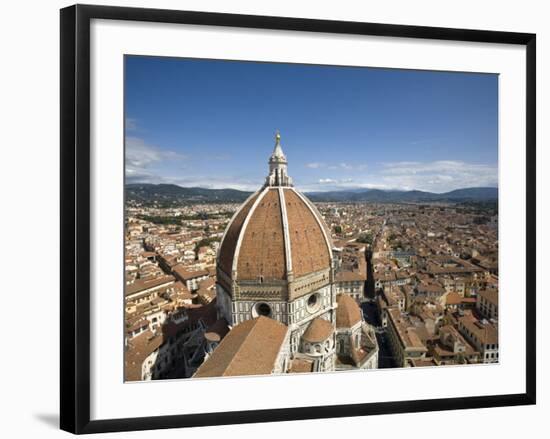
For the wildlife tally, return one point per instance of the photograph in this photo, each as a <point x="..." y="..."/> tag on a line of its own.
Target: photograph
<point x="295" y="218"/>
<point x="267" y="219"/>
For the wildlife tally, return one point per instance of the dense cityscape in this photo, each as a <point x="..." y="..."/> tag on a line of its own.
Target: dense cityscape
<point x="412" y="284"/>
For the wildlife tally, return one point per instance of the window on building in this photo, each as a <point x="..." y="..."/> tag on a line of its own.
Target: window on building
<point x="262" y="309"/>
<point x="313" y="302"/>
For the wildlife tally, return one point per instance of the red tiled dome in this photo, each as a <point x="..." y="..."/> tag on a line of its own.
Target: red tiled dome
<point x="276" y="231"/>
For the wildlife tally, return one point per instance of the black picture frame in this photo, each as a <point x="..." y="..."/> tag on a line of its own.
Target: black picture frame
<point x="75" y="217"/>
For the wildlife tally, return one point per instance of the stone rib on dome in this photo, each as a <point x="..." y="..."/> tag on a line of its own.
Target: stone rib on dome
<point x="231" y="236"/>
<point x="328" y="237"/>
<point x="348" y="313"/>
<point x="307" y="243"/>
<point x="262" y="249"/>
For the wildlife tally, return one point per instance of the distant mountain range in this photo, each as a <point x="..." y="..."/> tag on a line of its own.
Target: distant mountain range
<point x="396" y="196"/>
<point x="166" y="194"/>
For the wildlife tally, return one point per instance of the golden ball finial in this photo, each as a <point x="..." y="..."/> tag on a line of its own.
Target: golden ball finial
<point x="277" y="136"/>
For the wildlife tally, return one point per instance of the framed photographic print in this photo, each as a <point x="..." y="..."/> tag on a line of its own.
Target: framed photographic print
<point x="273" y="218"/>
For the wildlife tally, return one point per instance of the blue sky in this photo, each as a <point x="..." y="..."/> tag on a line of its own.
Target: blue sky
<point x="212" y="123"/>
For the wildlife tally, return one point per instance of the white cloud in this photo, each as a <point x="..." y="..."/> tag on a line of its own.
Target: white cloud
<point x="348" y="167"/>
<point x="438" y="176"/>
<point x="337" y="166"/>
<point x="140" y="157"/>
<point x="343" y="166"/>
<point x="134" y="175"/>
<point x="139" y="154"/>
<point x="333" y="184"/>
<point x="344" y="183"/>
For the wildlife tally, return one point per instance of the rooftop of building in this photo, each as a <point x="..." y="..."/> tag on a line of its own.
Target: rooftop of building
<point x="318" y="330"/>
<point x="250" y="348"/>
<point x="348" y="312"/>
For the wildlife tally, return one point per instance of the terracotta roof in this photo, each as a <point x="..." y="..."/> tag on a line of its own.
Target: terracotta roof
<point x="250" y="348"/>
<point x="263" y="246"/>
<point x="181" y="290"/>
<point x="430" y="288"/>
<point x="420" y="362"/>
<point x="453" y="298"/>
<point x="182" y="273"/>
<point x="262" y="251"/>
<point x="142" y="285"/>
<point x="229" y="243"/>
<point x="206" y="296"/>
<point x="207" y="284"/>
<point x="138" y="325"/>
<point x="348" y="312"/>
<point x="318" y="330"/>
<point x="300" y="365"/>
<point x="216" y="331"/>
<point x="307" y="243"/>
<point x="406" y="333"/>
<point x="484" y="332"/>
<point x="350" y="276"/>
<point x="414" y="338"/>
<point x="139" y="348"/>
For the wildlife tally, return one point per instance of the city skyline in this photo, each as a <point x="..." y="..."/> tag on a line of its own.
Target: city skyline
<point x="210" y="124"/>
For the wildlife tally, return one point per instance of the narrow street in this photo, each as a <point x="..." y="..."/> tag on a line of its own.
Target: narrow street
<point x="370" y="314"/>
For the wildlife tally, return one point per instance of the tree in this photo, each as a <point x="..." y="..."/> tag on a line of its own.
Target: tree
<point x="365" y="238"/>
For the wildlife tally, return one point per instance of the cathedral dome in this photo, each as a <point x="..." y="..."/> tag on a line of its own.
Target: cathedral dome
<point x="276" y="236"/>
<point x="276" y="232"/>
<point x="318" y="330"/>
